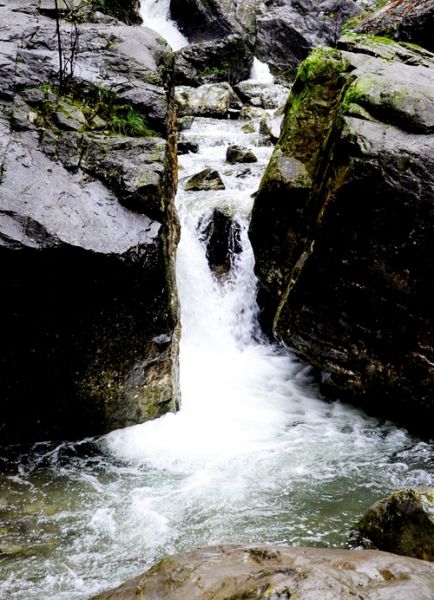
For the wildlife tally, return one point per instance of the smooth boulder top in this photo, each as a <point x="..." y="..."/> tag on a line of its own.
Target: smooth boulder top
<point x="279" y="573"/>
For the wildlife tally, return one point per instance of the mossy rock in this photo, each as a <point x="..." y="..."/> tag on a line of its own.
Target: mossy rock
<point x="402" y="523"/>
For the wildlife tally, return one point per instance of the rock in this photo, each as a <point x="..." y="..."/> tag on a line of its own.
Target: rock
<point x="250" y="113"/>
<point x="184" y="147"/>
<point x="238" y="154"/>
<point x="69" y="117"/>
<point x="105" y="12"/>
<point x="221" y="235"/>
<point x="280" y="33"/>
<point x="407" y="21"/>
<point x="269" y="128"/>
<point x="341" y="226"/>
<point x="200" y="21"/>
<point x="224" y="59"/>
<point x="278" y="573"/>
<point x="88" y="230"/>
<point x="262" y="95"/>
<point x="209" y="100"/>
<point x="206" y="180"/>
<point x="289" y="29"/>
<point x="403" y="523"/>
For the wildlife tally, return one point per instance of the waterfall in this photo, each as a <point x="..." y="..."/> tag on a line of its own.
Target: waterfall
<point x="254" y="455"/>
<point x="155" y="15"/>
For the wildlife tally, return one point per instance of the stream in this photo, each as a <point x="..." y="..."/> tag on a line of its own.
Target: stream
<point x="255" y="454"/>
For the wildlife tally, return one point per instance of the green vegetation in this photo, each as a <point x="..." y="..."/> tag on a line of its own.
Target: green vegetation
<point x="101" y="108"/>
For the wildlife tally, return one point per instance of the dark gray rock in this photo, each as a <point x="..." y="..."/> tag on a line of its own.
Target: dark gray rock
<point x="341" y="226"/>
<point x="201" y="21"/>
<point x="238" y="154"/>
<point x="184" y="147"/>
<point x="223" y="59"/>
<point x="206" y="180"/>
<point x="280" y="572"/>
<point x="87" y="284"/>
<point x="279" y="32"/>
<point x="402" y="523"/>
<point x="407" y="21"/>
<point x="221" y="235"/>
<point x="288" y="30"/>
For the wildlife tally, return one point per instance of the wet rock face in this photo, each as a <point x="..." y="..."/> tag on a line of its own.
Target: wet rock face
<point x="279" y="33"/>
<point x="225" y="59"/>
<point x="289" y="29"/>
<point x="205" y="180"/>
<point x="341" y="227"/>
<point x="87" y="230"/>
<point x="261" y="572"/>
<point x="403" y="523"/>
<point x="221" y="235"/>
<point x="406" y="20"/>
<point x="239" y="154"/>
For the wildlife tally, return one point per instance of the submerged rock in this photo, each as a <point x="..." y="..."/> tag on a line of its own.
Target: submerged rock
<point x="221" y="235"/>
<point x="239" y="154"/>
<point x="403" y="523"/>
<point x="279" y="572"/>
<point x="184" y="147"/>
<point x="342" y="225"/>
<point x="206" y="180"/>
<point x="87" y="229"/>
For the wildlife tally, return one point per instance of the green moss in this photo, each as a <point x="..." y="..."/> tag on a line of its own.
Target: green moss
<point x="119" y="116"/>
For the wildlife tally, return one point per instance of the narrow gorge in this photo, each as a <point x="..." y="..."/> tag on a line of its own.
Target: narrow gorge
<point x="185" y="361"/>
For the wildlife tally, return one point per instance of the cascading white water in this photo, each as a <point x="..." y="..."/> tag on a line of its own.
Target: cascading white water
<point x="255" y="455"/>
<point x="261" y="72"/>
<point x="155" y="15"/>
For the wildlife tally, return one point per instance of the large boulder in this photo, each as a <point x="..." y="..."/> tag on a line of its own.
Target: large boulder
<point x="403" y="523"/>
<point x="342" y="225"/>
<point x="224" y="59"/>
<point x="88" y="231"/>
<point x="287" y="30"/>
<point x="279" y="573"/>
<point x="209" y="100"/>
<point x="406" y="20"/>
<point x="280" y="33"/>
<point x="201" y="21"/>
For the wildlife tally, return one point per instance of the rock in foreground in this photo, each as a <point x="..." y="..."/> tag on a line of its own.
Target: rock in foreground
<point x="280" y="573"/>
<point x="403" y="523"/>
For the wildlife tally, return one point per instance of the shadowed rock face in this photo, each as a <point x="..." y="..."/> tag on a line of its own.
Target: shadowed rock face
<point x="404" y="20"/>
<point x="87" y="230"/>
<point x="342" y="225"/>
<point x="279" y="572"/>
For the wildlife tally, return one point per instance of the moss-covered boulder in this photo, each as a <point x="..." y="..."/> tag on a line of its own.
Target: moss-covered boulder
<point x="88" y="231"/>
<point x="402" y="523"/>
<point x="342" y="225"/>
